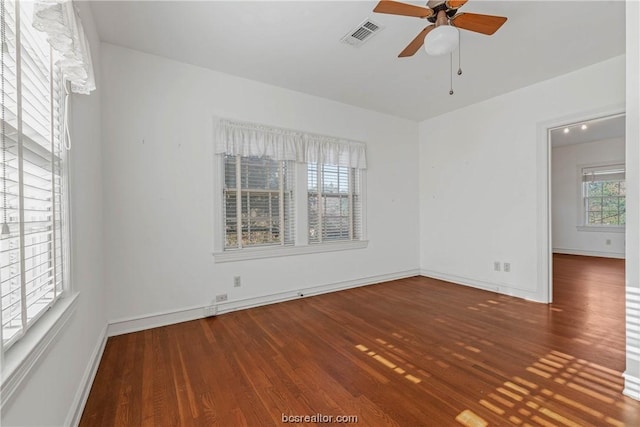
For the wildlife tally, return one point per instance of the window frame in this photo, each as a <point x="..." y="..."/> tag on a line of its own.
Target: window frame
<point x="583" y="209"/>
<point x="281" y="191"/>
<point x="352" y="195"/>
<point x="301" y="244"/>
<point x="21" y="353"/>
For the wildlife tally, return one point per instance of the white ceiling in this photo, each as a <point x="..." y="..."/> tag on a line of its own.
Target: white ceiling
<point x="296" y="45"/>
<point x="596" y="130"/>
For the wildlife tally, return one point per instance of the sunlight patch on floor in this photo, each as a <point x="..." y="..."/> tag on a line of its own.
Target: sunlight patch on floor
<point x="388" y="363"/>
<point x="522" y="401"/>
<point x="470" y="419"/>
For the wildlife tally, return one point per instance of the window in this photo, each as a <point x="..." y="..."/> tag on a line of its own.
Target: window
<point x="258" y="202"/>
<point x="33" y="203"/>
<point x="284" y="192"/>
<point x="603" y="190"/>
<point x="333" y="203"/>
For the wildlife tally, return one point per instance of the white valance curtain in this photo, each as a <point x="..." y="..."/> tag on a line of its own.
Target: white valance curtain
<point x="251" y="139"/>
<point x="58" y="19"/>
<point x="603" y="173"/>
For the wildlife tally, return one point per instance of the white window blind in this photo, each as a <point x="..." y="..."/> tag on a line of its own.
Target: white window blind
<point x="604" y="195"/>
<point x="258" y="202"/>
<point x="334" y="203"/>
<point x="33" y="241"/>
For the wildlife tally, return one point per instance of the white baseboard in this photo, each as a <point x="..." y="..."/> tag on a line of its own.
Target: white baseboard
<point x="617" y="255"/>
<point x="80" y="399"/>
<point x="481" y="284"/>
<point x="139" y="323"/>
<point x="154" y="320"/>
<point x="631" y="386"/>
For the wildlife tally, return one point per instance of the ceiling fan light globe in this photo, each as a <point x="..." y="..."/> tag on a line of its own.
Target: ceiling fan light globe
<point x="441" y="40"/>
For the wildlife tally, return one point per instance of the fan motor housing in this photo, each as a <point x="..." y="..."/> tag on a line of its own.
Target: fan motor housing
<point x="437" y="6"/>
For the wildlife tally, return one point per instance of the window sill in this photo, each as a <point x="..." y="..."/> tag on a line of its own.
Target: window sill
<point x="273" y="252"/>
<point x="21" y="357"/>
<point x="602" y="228"/>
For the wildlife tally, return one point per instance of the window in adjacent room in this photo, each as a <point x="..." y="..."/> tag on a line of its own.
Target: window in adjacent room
<point x="604" y="190"/>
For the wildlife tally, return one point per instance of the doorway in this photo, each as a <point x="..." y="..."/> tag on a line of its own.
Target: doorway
<point x="587" y="218"/>
<point x="574" y="150"/>
<point x="587" y="190"/>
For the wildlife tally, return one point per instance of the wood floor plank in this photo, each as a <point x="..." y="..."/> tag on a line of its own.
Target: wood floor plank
<point x="412" y="352"/>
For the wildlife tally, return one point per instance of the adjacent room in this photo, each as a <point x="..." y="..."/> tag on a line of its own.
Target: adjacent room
<point x="258" y="213"/>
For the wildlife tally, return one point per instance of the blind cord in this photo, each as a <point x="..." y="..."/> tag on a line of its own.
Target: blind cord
<point x="3" y="34"/>
<point x="66" y="135"/>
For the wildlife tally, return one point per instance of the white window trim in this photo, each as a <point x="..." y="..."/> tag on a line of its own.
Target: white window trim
<point x="582" y="219"/>
<point x="20" y="358"/>
<point x="302" y="246"/>
<point x="280" y="251"/>
<point x="602" y="228"/>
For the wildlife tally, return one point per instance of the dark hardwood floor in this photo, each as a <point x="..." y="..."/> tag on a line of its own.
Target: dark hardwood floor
<point x="412" y="352"/>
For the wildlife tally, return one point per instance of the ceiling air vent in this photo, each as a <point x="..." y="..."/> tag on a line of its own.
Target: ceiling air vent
<point x="360" y="34"/>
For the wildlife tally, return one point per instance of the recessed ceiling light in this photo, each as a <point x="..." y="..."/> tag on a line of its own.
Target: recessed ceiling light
<point x="566" y="130"/>
<point x="583" y="127"/>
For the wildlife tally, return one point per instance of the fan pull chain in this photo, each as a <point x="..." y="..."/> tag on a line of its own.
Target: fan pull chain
<point x="460" y="55"/>
<point x="451" y="72"/>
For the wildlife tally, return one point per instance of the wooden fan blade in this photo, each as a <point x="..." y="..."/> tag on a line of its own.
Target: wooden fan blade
<point x="416" y="43"/>
<point x="397" y="8"/>
<point x="455" y="4"/>
<point x="484" y="24"/>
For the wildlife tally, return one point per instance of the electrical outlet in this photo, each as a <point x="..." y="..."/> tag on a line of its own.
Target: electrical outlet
<point x="221" y="298"/>
<point x="211" y="310"/>
<point x="236" y="281"/>
<point x="506" y="267"/>
<point x="496" y="265"/>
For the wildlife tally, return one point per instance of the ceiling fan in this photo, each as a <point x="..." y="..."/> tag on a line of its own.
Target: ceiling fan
<point x="442" y="35"/>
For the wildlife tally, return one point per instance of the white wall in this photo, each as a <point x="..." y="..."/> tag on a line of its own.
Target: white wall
<point x="158" y="165"/>
<point x="54" y="389"/>
<point x="566" y="184"/>
<point x="478" y="179"/>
